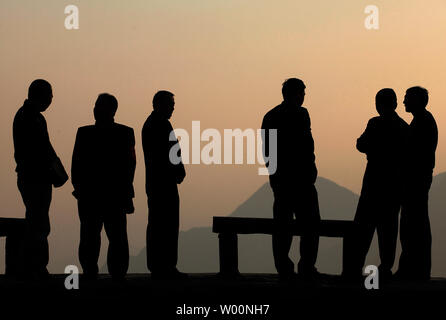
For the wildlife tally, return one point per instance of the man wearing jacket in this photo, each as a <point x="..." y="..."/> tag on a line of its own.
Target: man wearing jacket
<point x="103" y="168"/>
<point x="415" y="231"/>
<point x="384" y="142"/>
<point x="35" y="156"/>
<point x="293" y="180"/>
<point x="163" y="172"/>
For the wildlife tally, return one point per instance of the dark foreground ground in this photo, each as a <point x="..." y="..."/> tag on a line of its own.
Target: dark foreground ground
<point x="252" y="296"/>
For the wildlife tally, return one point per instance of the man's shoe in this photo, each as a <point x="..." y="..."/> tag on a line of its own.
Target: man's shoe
<point x="118" y="278"/>
<point x="42" y="275"/>
<point x="385" y="276"/>
<point x="170" y="275"/>
<point x="89" y="276"/>
<point x="309" y="274"/>
<point x="352" y="277"/>
<point x="177" y="275"/>
<point x="401" y="276"/>
<point x="287" y="276"/>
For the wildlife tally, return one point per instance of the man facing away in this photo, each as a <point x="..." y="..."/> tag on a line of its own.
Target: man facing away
<point x="163" y="173"/>
<point x="35" y="156"/>
<point x="415" y="233"/>
<point x="103" y="168"/>
<point x="293" y="180"/>
<point x="383" y="142"/>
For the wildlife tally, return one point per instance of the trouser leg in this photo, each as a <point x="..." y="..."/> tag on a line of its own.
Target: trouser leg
<point x="415" y="232"/>
<point x="37" y="199"/>
<point x="90" y="237"/>
<point x="405" y="240"/>
<point x="281" y="239"/>
<point x="115" y="224"/>
<point x="387" y="230"/>
<point x="364" y="229"/>
<point x="162" y="233"/>
<point x="307" y="211"/>
<point x="422" y="247"/>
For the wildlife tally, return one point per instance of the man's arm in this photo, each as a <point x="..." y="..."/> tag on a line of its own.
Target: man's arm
<point x="309" y="142"/>
<point x="131" y="161"/>
<point x="155" y="142"/>
<point x="265" y="139"/>
<point x="364" y="142"/>
<point x="76" y="165"/>
<point x="177" y="168"/>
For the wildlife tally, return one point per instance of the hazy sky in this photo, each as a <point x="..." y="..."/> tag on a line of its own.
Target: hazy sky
<point x="225" y="62"/>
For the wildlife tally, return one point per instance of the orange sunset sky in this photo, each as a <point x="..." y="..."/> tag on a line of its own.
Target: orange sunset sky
<point x="225" y="62"/>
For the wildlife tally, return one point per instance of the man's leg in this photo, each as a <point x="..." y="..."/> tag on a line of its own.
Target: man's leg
<point x="37" y="199"/>
<point x="387" y="230"/>
<point x="172" y="224"/>
<point x="365" y="225"/>
<point x="283" y="216"/>
<point x="423" y="246"/>
<point x="307" y="211"/>
<point x="90" y="237"/>
<point x="162" y="233"/>
<point x="415" y="232"/>
<point x="115" y="223"/>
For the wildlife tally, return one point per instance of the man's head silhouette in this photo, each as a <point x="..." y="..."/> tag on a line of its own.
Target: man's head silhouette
<point x="416" y="99"/>
<point x="40" y="94"/>
<point x="385" y="101"/>
<point x="293" y="91"/>
<point x="105" y="108"/>
<point x="163" y="103"/>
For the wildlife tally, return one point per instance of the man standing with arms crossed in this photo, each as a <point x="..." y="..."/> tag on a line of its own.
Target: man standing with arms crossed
<point x="293" y="181"/>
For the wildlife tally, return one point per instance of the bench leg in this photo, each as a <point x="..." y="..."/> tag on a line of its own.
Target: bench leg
<point x="14" y="255"/>
<point x="228" y="254"/>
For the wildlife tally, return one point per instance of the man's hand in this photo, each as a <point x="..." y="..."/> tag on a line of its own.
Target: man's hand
<point x="313" y="174"/>
<point x="181" y="174"/>
<point x="181" y="177"/>
<point x="128" y="206"/>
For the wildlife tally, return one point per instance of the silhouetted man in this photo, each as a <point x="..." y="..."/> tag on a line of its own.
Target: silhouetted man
<point x="383" y="142"/>
<point x="35" y="158"/>
<point x="102" y="172"/>
<point x="415" y="233"/>
<point x="293" y="181"/>
<point x="163" y="173"/>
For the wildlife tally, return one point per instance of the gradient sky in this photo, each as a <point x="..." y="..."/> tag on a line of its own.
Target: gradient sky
<point x="225" y="62"/>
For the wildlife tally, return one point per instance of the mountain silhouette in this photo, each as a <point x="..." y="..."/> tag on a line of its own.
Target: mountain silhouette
<point x="198" y="247"/>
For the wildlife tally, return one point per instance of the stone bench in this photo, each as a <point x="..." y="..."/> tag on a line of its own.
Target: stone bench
<point x="229" y="227"/>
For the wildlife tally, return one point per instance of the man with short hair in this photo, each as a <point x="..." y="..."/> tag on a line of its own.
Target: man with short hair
<point x="415" y="232"/>
<point x="162" y="177"/>
<point x="102" y="172"/>
<point x="293" y="181"/>
<point x="383" y="141"/>
<point x="35" y="156"/>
